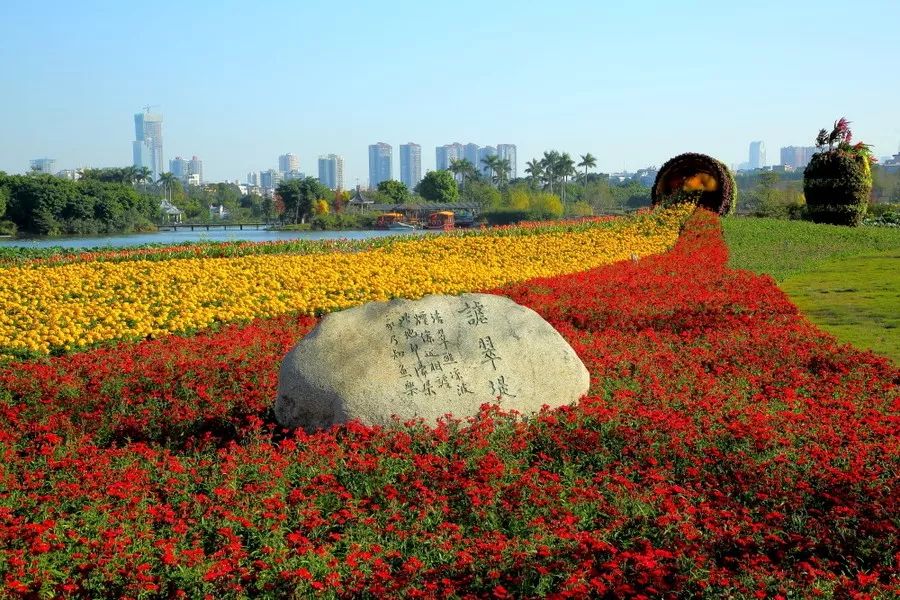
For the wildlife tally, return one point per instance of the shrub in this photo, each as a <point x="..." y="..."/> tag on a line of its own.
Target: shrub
<point x="838" y="180"/>
<point x="695" y="178"/>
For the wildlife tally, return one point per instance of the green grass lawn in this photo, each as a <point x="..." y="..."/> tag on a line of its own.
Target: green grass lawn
<point x="845" y="279"/>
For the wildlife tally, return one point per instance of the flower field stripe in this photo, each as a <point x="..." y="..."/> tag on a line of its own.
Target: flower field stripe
<point x="726" y="449"/>
<point x="60" y="308"/>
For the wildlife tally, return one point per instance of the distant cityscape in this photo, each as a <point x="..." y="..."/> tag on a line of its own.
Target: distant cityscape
<point x="147" y="152"/>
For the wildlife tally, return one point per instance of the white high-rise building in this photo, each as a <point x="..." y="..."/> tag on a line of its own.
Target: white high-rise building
<point x="483" y="153"/>
<point x="288" y="163"/>
<point x="470" y="153"/>
<point x="757" y="155"/>
<point x="380" y="163"/>
<point x="410" y="164"/>
<point x="508" y="152"/>
<point x="331" y="171"/>
<point x="446" y="154"/>
<point x="147" y="150"/>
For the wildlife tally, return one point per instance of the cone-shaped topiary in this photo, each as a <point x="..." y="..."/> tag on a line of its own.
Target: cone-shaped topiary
<point x="696" y="178"/>
<point x="838" y="179"/>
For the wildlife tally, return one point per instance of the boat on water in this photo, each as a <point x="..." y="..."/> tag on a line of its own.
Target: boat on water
<point x="400" y="226"/>
<point x="392" y="221"/>
<point x="442" y="219"/>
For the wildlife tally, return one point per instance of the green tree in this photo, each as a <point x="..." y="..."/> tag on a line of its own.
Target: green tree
<point x="395" y="190"/>
<point x="482" y="194"/>
<point x="588" y="161"/>
<point x="298" y="196"/>
<point x="142" y="175"/>
<point x="535" y="171"/>
<point x="167" y="182"/>
<point x="550" y="167"/>
<point x="565" y="168"/>
<point x="4" y="196"/>
<point x="464" y="169"/>
<point x="490" y="163"/>
<point x="438" y="186"/>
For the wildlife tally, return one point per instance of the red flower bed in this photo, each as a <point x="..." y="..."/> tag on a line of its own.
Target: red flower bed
<point x="727" y="448"/>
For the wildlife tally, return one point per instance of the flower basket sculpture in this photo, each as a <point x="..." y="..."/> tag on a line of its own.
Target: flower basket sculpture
<point x="838" y="179"/>
<point x="695" y="178"/>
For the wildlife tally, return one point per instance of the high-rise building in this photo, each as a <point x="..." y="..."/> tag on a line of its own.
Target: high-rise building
<point x="187" y="170"/>
<point x="797" y="156"/>
<point x="483" y="153"/>
<point x="470" y="153"/>
<point x="446" y="154"/>
<point x="331" y="171"/>
<point x="253" y="178"/>
<point x="508" y="152"/>
<point x="270" y="179"/>
<point x="195" y="167"/>
<point x="757" y="155"/>
<point x="43" y="165"/>
<point x="380" y="163"/>
<point x="178" y="167"/>
<point x="410" y="164"/>
<point x="288" y="162"/>
<point x="147" y="150"/>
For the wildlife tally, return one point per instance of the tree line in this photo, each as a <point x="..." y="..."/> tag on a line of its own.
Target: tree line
<point x="100" y="202"/>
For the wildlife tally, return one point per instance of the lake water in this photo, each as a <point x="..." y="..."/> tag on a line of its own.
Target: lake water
<point x="200" y="235"/>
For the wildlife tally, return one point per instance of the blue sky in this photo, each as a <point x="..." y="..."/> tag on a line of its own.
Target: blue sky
<point x="634" y="83"/>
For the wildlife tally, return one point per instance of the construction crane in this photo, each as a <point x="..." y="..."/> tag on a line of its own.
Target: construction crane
<point x="149" y="106"/>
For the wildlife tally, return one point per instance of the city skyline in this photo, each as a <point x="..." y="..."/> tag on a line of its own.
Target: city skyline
<point x="629" y="108"/>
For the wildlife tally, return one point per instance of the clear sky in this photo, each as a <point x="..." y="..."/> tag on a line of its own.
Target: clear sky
<point x="632" y="82"/>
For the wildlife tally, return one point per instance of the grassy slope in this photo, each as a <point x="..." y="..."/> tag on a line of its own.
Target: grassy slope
<point x="847" y="280"/>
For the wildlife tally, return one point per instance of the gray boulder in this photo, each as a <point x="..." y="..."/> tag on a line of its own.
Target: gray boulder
<point x="424" y="359"/>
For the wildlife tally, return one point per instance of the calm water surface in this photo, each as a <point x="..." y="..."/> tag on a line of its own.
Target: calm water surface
<point x="199" y="235"/>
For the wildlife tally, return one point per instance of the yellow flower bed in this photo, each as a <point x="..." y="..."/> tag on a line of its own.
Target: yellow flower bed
<point x="75" y="305"/>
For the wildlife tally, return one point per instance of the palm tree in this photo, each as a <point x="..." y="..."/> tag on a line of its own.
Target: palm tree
<point x="549" y="164"/>
<point x="534" y="168"/>
<point x="129" y="175"/>
<point x="143" y="174"/>
<point x="490" y="163"/>
<point x="462" y="168"/>
<point x="167" y="181"/>
<point x="565" y="168"/>
<point x="588" y="161"/>
<point x="502" y="167"/>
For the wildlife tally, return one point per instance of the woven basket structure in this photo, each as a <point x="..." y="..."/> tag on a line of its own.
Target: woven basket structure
<point x="677" y="176"/>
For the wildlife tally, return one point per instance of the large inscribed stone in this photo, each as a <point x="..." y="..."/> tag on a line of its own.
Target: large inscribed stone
<point x="424" y="359"/>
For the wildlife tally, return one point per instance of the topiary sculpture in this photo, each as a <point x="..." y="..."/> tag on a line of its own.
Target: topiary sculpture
<point x="695" y="178"/>
<point x="838" y="179"/>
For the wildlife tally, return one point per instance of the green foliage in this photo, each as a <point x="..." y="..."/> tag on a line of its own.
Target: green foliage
<point x="48" y="205"/>
<point x="581" y="209"/>
<point x="505" y="216"/>
<point x="395" y="190"/>
<point x="883" y="215"/>
<point x="523" y="203"/>
<point x="481" y="193"/>
<point x="438" y="186"/>
<point x="298" y="196"/>
<point x="837" y="184"/>
<point x="771" y="197"/>
<point x="631" y="195"/>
